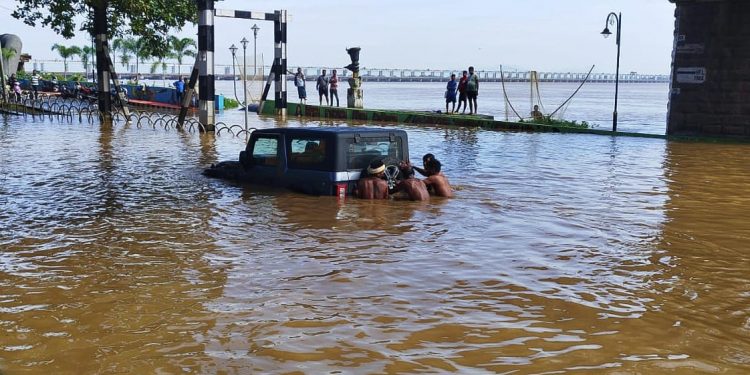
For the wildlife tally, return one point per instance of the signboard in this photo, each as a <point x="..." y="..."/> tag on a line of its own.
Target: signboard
<point x="691" y="75"/>
<point x="691" y="48"/>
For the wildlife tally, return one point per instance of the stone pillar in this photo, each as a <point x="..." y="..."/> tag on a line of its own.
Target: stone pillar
<point x="354" y="96"/>
<point x="710" y="69"/>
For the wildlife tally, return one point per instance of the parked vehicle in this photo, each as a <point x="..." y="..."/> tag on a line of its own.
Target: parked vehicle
<point x="318" y="161"/>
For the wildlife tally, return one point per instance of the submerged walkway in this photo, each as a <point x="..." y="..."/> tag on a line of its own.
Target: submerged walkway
<point x="430" y="118"/>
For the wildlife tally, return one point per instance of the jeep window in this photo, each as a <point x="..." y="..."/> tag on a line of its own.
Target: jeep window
<point x="360" y="154"/>
<point x="307" y="153"/>
<point x="265" y="151"/>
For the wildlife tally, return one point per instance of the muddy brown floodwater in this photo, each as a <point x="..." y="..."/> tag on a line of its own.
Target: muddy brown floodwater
<point x="561" y="253"/>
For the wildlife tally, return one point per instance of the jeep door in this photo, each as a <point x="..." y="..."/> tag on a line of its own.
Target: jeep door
<point x="267" y="159"/>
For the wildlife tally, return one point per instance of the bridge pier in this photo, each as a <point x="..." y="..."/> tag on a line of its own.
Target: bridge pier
<point x="710" y="69"/>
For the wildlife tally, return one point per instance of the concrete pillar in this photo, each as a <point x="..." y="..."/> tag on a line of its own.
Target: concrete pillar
<point x="710" y="69"/>
<point x="206" y="88"/>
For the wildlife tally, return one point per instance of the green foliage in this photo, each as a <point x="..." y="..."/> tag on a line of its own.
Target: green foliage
<point x="181" y="48"/>
<point x="557" y="122"/>
<point x="8" y="53"/>
<point x="151" y="21"/>
<point x="230" y="103"/>
<point x="66" y="53"/>
<point x="85" y="55"/>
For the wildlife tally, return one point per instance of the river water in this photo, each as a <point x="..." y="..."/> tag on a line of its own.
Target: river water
<point x="560" y="253"/>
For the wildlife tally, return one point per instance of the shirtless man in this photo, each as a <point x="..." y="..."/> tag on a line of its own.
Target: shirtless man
<point x="373" y="186"/>
<point x="437" y="180"/>
<point x="425" y="160"/>
<point x="414" y="188"/>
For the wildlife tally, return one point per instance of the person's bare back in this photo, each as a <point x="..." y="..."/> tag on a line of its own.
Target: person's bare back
<point x="415" y="188"/>
<point x="440" y="185"/>
<point x="372" y="188"/>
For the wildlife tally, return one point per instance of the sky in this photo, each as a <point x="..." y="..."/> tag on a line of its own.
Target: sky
<point x="542" y="35"/>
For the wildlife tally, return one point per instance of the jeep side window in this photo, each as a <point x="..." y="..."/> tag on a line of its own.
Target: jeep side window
<point x="360" y="154"/>
<point x="265" y="151"/>
<point x="307" y="153"/>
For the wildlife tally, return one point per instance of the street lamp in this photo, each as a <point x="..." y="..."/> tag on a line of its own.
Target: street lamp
<point x="606" y="33"/>
<point x="244" y="42"/>
<point x="255" y="29"/>
<point x="233" y="49"/>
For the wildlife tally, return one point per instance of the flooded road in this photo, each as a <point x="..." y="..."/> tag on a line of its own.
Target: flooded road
<point x="561" y="253"/>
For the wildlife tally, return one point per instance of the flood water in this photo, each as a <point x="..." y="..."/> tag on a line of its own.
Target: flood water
<point x="560" y="253"/>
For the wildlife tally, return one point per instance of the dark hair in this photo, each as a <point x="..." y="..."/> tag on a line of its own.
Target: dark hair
<point x="433" y="166"/>
<point x="407" y="172"/>
<point x="377" y="163"/>
<point x="427" y="157"/>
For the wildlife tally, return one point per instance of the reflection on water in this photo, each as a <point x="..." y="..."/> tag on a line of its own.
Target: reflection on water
<point x="560" y="252"/>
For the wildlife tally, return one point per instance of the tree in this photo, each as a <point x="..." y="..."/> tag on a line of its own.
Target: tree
<point x="181" y="48"/>
<point x="86" y="53"/>
<point x="66" y="53"/>
<point x="150" y="21"/>
<point x="116" y="46"/>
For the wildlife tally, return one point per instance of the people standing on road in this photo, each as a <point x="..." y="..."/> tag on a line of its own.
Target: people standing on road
<point x="373" y="184"/>
<point x="322" y="87"/>
<point x="472" y="90"/>
<point x="299" y="82"/>
<point x="35" y="83"/>
<point x="462" y="91"/>
<point x="334" y="87"/>
<point x="12" y="81"/>
<point x="179" y="86"/>
<point x="17" y="90"/>
<point x="450" y="94"/>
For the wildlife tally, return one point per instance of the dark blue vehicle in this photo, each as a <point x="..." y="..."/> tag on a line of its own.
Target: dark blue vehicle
<point x="318" y="161"/>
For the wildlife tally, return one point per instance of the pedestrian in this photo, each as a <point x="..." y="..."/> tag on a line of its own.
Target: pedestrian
<point x="12" y="84"/>
<point x="35" y="83"/>
<point x="462" y="91"/>
<point x="472" y="90"/>
<point x="450" y="94"/>
<point x="299" y="82"/>
<point x="322" y="87"/>
<point x="179" y="86"/>
<point x="334" y="87"/>
<point x="17" y="90"/>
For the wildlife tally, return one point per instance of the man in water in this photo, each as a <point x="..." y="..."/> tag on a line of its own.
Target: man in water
<point x="425" y="160"/>
<point x="373" y="186"/>
<point x="437" y="180"/>
<point x="414" y="188"/>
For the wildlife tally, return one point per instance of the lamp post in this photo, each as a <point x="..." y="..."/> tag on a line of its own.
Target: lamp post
<point x="233" y="49"/>
<point x="255" y="29"/>
<point x="244" y="42"/>
<point x="606" y="33"/>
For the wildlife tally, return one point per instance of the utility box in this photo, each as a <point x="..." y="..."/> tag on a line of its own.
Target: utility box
<point x="219" y="102"/>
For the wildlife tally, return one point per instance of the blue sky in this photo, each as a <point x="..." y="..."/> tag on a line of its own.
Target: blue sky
<point x="544" y="35"/>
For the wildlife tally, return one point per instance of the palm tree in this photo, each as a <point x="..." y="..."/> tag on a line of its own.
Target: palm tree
<point x="86" y="52"/>
<point x="161" y="61"/>
<point x="181" y="48"/>
<point x="66" y="53"/>
<point x="116" y="46"/>
<point x="136" y="47"/>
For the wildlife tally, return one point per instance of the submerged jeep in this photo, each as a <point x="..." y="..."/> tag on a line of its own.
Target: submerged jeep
<point x="318" y="161"/>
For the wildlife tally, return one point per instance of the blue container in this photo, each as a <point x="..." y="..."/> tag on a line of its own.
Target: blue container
<point x="219" y="100"/>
